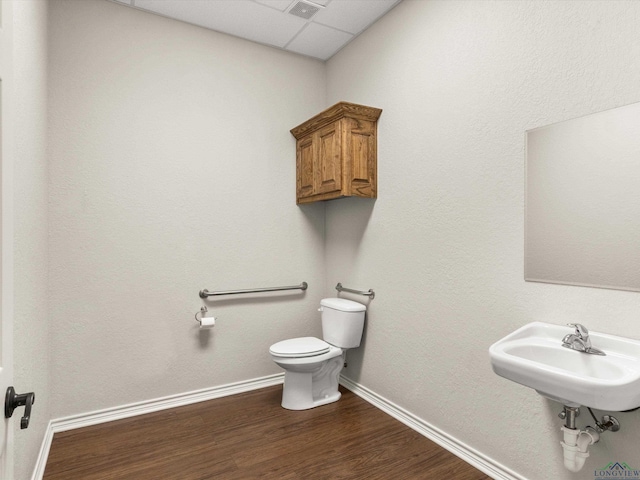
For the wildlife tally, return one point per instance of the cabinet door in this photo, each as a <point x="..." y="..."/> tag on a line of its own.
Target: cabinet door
<point x="328" y="174"/>
<point x="360" y="158"/>
<point x="305" y="167"/>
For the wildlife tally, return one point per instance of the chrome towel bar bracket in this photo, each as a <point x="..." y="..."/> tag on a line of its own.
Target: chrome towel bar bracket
<point x="206" y="293"/>
<point x="371" y="294"/>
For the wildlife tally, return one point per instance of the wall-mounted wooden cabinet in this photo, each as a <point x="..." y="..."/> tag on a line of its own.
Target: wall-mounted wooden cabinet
<point x="336" y="154"/>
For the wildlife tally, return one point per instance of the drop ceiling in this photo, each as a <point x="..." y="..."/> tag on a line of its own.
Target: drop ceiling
<point x="316" y="28"/>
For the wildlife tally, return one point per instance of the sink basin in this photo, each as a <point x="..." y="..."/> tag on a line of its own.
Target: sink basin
<point x="533" y="356"/>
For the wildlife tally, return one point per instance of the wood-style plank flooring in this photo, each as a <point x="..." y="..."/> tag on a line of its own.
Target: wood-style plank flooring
<point x="250" y="436"/>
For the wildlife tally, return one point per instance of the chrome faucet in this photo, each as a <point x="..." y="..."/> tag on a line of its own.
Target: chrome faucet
<point x="580" y="340"/>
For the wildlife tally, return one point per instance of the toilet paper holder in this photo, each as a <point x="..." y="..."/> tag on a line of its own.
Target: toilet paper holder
<point x="205" y="322"/>
<point x="201" y="312"/>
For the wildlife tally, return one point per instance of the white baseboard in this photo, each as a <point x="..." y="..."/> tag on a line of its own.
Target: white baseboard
<point x="468" y="454"/>
<point x="455" y="446"/>
<point x="140" y="408"/>
<point x="41" y="462"/>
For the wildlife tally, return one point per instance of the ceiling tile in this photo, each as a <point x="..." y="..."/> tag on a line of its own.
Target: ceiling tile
<point x="268" y="21"/>
<point x="319" y="41"/>
<point x="242" y="18"/>
<point x="284" y="5"/>
<point x="281" y="5"/>
<point x="353" y="16"/>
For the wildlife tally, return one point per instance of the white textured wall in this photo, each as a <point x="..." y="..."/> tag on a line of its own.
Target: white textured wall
<point x="459" y="82"/>
<point x="31" y="341"/>
<point x="172" y="169"/>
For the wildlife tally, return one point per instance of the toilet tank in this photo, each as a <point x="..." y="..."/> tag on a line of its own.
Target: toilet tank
<point x="342" y="322"/>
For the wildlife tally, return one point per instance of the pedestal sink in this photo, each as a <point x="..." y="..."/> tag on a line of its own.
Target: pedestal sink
<point x="533" y="356"/>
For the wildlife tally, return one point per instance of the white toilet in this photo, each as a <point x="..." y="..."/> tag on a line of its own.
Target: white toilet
<point x="312" y="366"/>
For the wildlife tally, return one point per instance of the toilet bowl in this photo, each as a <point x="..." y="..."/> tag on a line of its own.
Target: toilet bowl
<point x="311" y="377"/>
<point x="312" y="366"/>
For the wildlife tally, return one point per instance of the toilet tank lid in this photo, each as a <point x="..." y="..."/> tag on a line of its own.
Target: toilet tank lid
<point x="342" y="304"/>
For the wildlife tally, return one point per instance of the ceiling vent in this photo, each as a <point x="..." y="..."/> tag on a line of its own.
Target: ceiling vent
<point x="304" y="9"/>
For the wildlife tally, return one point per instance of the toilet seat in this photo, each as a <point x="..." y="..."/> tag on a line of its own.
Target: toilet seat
<point x="300" y="347"/>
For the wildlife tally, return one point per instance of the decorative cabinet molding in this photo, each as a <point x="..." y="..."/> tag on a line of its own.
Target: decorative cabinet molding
<point x="336" y="154"/>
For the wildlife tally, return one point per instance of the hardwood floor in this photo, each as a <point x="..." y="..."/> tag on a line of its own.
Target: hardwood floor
<point x="251" y="436"/>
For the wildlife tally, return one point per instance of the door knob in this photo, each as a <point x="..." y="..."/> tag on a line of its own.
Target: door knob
<point x="13" y="400"/>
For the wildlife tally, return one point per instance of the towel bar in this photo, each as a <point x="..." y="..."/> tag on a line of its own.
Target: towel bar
<point x="371" y="294"/>
<point x="206" y="293"/>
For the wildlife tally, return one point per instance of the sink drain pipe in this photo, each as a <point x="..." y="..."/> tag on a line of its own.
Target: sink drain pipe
<point x="575" y="442"/>
<point x="575" y="445"/>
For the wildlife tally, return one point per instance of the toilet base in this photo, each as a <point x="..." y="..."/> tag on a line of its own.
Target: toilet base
<point x="305" y="390"/>
<point x="291" y="400"/>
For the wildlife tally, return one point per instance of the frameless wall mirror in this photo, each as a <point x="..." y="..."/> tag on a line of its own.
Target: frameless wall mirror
<point x="582" y="222"/>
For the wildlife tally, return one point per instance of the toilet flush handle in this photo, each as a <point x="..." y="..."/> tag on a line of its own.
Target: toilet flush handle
<point x="320" y="309"/>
